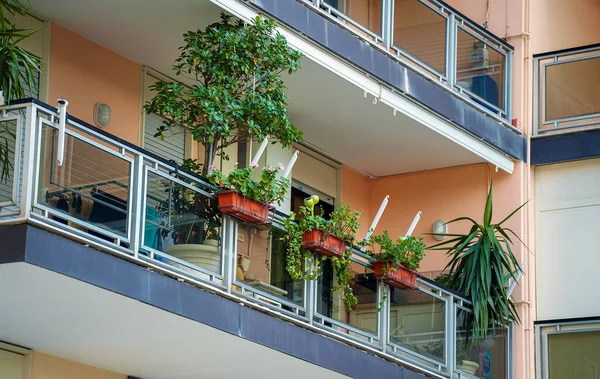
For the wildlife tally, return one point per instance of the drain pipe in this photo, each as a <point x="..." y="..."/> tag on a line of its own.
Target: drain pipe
<point x="62" y="122"/>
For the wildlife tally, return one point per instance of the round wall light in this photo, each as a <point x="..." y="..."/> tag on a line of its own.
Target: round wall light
<point x="439" y="229"/>
<point x="101" y="115"/>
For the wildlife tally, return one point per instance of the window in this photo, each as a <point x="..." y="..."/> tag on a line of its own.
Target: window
<point x="569" y="350"/>
<point x="173" y="146"/>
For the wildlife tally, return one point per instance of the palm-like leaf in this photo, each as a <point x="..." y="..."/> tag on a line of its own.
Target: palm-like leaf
<point x="17" y="69"/>
<point x="481" y="262"/>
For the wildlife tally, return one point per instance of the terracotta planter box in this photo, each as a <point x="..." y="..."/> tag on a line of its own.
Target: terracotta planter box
<point x="401" y="278"/>
<point x="323" y="243"/>
<point x="243" y="208"/>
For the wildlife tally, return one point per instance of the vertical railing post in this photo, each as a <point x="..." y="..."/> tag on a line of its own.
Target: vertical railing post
<point x="451" y="50"/>
<point x="136" y="211"/>
<point x="450" y="336"/>
<point x="508" y="85"/>
<point x="29" y="128"/>
<point x="310" y="296"/>
<point x="229" y="250"/>
<point x="387" y="22"/>
<point x="383" y="319"/>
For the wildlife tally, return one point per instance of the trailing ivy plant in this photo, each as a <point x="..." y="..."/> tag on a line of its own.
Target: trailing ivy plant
<point x="481" y="263"/>
<point x="343" y="224"/>
<point x="405" y="251"/>
<point x="237" y="92"/>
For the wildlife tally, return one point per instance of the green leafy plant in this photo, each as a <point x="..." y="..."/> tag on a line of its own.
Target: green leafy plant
<point x="238" y="92"/>
<point x="343" y="224"/>
<point x="271" y="187"/>
<point x="405" y="251"/>
<point x="195" y="217"/>
<point x="17" y="70"/>
<point x="481" y="263"/>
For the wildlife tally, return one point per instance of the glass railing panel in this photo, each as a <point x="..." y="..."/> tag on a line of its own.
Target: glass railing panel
<point x="480" y="71"/>
<point x="8" y="147"/>
<point x="417" y="325"/>
<point x="261" y="270"/>
<point x="485" y="359"/>
<point x="90" y="191"/>
<point x="182" y="224"/>
<point x="567" y="95"/>
<point x="361" y="322"/>
<point x="420" y="31"/>
<point x="360" y="15"/>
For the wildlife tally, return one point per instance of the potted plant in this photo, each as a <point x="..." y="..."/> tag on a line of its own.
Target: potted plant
<point x="237" y="93"/>
<point x="481" y="263"/>
<point x="195" y="223"/>
<point x="395" y="262"/>
<point x="248" y="199"/>
<point x="328" y="238"/>
<point x="436" y="350"/>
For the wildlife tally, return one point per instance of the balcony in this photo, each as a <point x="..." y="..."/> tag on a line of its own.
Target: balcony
<point x="130" y="204"/>
<point x="436" y="41"/>
<point x="566" y="113"/>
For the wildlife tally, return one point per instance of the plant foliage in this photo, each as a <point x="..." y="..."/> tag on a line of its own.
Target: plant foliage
<point x="343" y="224"/>
<point x="17" y="70"/>
<point x="481" y="263"/>
<point x="238" y="93"/>
<point x="405" y="251"/>
<point x="269" y="188"/>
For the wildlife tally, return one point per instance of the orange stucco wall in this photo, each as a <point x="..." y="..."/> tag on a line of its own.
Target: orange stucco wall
<point x="49" y="367"/>
<point x="85" y="73"/>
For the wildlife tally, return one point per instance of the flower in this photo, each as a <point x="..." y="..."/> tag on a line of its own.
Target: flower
<point x="281" y="166"/>
<point x="271" y="168"/>
<point x="235" y="164"/>
<point x="254" y="164"/>
<point x="212" y="168"/>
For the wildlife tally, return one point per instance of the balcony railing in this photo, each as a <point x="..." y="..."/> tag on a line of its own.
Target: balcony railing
<point x="436" y="41"/>
<point x="124" y="200"/>
<point x="566" y="91"/>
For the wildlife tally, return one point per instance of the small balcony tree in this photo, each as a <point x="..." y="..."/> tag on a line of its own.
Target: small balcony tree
<point x="237" y="91"/>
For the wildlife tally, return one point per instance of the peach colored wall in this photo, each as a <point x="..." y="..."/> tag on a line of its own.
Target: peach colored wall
<point x="356" y="193"/>
<point x="49" y="367"/>
<point x="85" y="73"/>
<point x="559" y="24"/>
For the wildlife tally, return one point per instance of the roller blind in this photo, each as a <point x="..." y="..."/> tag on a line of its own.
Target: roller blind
<point x="172" y="148"/>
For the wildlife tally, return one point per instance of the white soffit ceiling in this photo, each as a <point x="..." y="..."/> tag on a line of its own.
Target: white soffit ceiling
<point x="70" y="319"/>
<point x="332" y="112"/>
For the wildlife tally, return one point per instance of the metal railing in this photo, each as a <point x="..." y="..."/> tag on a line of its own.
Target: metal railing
<point x="447" y="48"/>
<point x="124" y="200"/>
<point x="564" y="86"/>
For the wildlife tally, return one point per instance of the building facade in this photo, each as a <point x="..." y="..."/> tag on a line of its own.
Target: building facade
<point x="423" y="101"/>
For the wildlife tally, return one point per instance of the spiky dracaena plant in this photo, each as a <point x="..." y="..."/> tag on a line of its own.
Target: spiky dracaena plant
<point x="17" y="70"/>
<point x="481" y="263"/>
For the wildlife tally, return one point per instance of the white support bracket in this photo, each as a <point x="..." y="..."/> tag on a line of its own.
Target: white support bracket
<point x="62" y="122"/>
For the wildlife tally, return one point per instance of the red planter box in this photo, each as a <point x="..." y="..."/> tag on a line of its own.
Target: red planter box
<point x="323" y="243"/>
<point x="243" y="208"/>
<point x="401" y="278"/>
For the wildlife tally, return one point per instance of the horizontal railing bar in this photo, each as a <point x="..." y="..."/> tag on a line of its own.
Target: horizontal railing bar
<point x="416" y="355"/>
<point x="347" y="326"/>
<point x="250" y="288"/>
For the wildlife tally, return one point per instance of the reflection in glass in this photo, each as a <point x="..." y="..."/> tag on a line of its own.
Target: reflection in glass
<point x="92" y="185"/>
<point x="486" y="359"/>
<point x="421" y="31"/>
<point x="261" y="267"/>
<point x="480" y="70"/>
<point x="574" y="355"/>
<point x="8" y="131"/>
<point x="572" y="89"/>
<point x="417" y="322"/>
<point x="330" y="304"/>
<point x="364" y="12"/>
<point x="182" y="223"/>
